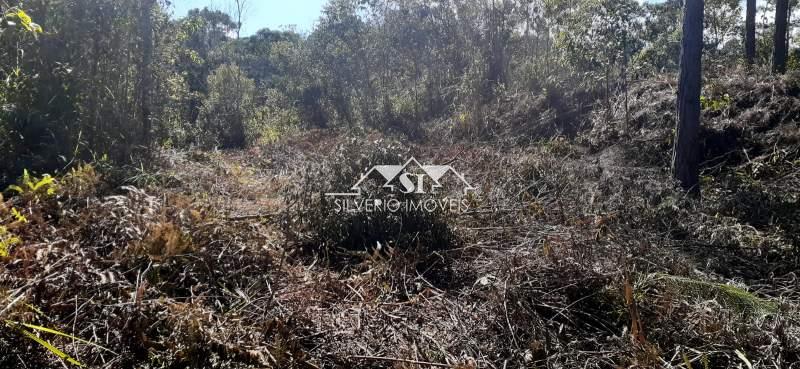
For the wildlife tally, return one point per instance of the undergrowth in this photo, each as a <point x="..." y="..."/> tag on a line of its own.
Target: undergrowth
<point x="577" y="248"/>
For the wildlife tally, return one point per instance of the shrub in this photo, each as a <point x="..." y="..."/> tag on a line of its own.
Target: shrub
<point x="80" y="182"/>
<point x="228" y="107"/>
<point x="163" y="240"/>
<point x="792" y="79"/>
<point x="9" y="218"/>
<point x="32" y="187"/>
<point x="271" y="121"/>
<point x="316" y="220"/>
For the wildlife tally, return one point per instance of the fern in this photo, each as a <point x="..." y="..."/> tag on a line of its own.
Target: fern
<point x="6" y="241"/>
<point x="18" y="216"/>
<point x="29" y="184"/>
<point x="711" y="103"/>
<point x="16" y="14"/>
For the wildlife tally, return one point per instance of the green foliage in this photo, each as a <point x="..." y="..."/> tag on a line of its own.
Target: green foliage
<point x="272" y="120"/>
<point x="15" y="28"/>
<point x="7" y="240"/>
<point x="80" y="89"/>
<point x="227" y="108"/>
<point x="716" y="104"/>
<point x="32" y="186"/>
<point x="10" y="219"/>
<point x="662" y="34"/>
<point x="793" y="64"/>
<point x="723" y="22"/>
<point x="605" y="42"/>
<point x="17" y="16"/>
<point x="28" y="189"/>
<point x="392" y="65"/>
<point x="729" y="296"/>
<point x="120" y="77"/>
<point x="45" y="344"/>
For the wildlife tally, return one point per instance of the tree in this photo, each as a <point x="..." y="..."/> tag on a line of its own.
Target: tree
<point x="750" y="33"/>
<point x="780" y="47"/>
<point x="228" y="107"/>
<point x="661" y="36"/>
<point x="241" y="8"/>
<point x="722" y="19"/>
<point x="12" y="80"/>
<point x="145" y="66"/>
<point x="604" y="46"/>
<point x="339" y="65"/>
<point x="686" y="155"/>
<point x="92" y="89"/>
<point x="255" y="54"/>
<point x="201" y="34"/>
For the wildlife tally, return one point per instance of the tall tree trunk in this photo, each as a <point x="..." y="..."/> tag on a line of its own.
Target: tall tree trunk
<point x="750" y="33"/>
<point x="686" y="155"/>
<point x="625" y="73"/>
<point x="780" y="51"/>
<point x="788" y="31"/>
<point x="145" y="68"/>
<point x="241" y="6"/>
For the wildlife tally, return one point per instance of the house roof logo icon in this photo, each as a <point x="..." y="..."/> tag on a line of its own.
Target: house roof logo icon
<point x="436" y="173"/>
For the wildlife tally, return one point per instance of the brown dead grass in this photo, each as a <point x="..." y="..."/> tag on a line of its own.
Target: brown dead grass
<point x="199" y="273"/>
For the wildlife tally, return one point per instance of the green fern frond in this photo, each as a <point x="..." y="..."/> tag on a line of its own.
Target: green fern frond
<point x="18" y="216"/>
<point x="47" y="180"/>
<point x="6" y="241"/>
<point x="16" y="189"/>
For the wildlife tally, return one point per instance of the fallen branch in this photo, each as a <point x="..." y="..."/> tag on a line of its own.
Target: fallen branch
<point x="407" y="361"/>
<point x="250" y="217"/>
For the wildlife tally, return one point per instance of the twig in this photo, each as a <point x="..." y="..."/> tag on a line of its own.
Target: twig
<point x="408" y="361"/>
<point x="508" y="321"/>
<point x="455" y="158"/>
<point x="10" y="305"/>
<point x="250" y="217"/>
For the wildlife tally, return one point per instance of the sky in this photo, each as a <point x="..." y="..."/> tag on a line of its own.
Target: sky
<point x="273" y="14"/>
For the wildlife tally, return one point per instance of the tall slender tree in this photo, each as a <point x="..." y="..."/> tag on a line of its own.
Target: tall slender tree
<point x="780" y="48"/>
<point x="750" y="32"/>
<point x="241" y="7"/>
<point x="145" y="67"/>
<point x="686" y="155"/>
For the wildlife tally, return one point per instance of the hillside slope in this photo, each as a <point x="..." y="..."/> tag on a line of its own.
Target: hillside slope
<point x="575" y="252"/>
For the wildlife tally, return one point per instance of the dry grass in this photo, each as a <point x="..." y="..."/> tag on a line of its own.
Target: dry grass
<point x="568" y="246"/>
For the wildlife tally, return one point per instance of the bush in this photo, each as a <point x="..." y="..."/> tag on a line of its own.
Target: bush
<point x="317" y="221"/>
<point x="228" y="107"/>
<point x="525" y="117"/>
<point x="269" y="122"/>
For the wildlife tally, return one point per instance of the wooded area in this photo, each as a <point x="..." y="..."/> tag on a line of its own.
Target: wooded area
<point x="627" y="176"/>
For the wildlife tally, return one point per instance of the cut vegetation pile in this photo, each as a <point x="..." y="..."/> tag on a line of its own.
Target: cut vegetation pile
<point x="576" y="252"/>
